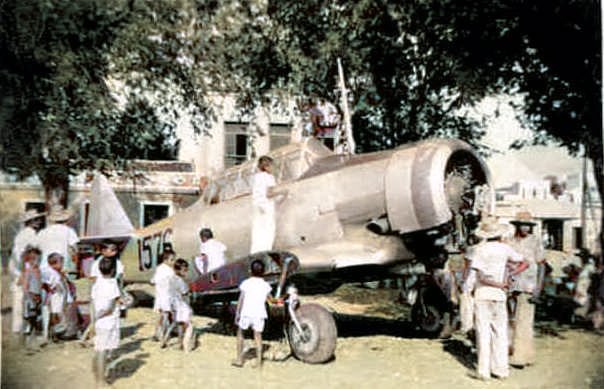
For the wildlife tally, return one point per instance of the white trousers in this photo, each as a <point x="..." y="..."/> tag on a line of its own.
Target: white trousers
<point x="17" y="307"/>
<point x="466" y="311"/>
<point x="263" y="229"/>
<point x="491" y="323"/>
<point x="522" y="334"/>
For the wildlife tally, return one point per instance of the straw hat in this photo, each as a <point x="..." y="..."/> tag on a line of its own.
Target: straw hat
<point x="30" y="214"/>
<point x="58" y="214"/>
<point x="490" y="228"/>
<point x="523" y="218"/>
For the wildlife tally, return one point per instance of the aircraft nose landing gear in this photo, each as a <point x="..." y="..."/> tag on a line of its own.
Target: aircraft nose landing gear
<point x="311" y="331"/>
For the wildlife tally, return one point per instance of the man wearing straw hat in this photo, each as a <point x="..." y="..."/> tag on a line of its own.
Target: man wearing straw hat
<point x="27" y="236"/>
<point x="489" y="263"/>
<point x="58" y="238"/>
<point x="527" y="285"/>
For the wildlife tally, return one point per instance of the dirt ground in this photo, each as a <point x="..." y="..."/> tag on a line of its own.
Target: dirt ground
<point x="376" y="348"/>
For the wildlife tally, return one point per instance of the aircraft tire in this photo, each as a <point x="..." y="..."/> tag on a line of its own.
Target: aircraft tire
<point x="131" y="300"/>
<point x="429" y="323"/>
<point x="321" y="334"/>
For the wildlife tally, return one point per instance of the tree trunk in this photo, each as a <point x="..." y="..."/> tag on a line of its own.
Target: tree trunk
<point x="56" y="189"/>
<point x="598" y="161"/>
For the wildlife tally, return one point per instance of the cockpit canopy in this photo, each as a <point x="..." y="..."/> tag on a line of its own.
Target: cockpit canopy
<point x="290" y="162"/>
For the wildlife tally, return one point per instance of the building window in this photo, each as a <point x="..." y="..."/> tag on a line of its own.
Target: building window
<point x="280" y="135"/>
<point x="236" y="139"/>
<point x="153" y="212"/>
<point x="553" y="233"/>
<point x="39" y="206"/>
<point x="578" y="237"/>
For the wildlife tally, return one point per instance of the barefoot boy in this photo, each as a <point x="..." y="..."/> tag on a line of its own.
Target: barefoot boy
<point x="105" y="296"/>
<point x="57" y="292"/>
<point x="181" y="307"/>
<point x="251" y="311"/>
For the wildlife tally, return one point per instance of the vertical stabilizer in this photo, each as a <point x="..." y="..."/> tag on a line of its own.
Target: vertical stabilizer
<point x="107" y="216"/>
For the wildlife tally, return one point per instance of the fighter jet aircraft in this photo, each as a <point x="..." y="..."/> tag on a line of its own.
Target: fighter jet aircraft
<point x="343" y="218"/>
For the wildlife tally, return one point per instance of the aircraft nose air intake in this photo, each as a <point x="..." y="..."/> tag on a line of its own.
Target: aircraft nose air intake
<point x="426" y="184"/>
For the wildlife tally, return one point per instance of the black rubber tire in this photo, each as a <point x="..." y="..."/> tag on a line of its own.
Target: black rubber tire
<point x="319" y="326"/>
<point x="429" y="323"/>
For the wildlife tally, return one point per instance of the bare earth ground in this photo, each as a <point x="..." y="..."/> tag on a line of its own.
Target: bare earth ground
<point x="374" y="350"/>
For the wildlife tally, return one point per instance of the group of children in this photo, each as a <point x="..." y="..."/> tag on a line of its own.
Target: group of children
<point x="47" y="296"/>
<point x="172" y="305"/>
<point x="50" y="290"/>
<point x="171" y="300"/>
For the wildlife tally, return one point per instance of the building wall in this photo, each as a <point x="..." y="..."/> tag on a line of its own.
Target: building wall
<point x="206" y="151"/>
<point x="177" y="190"/>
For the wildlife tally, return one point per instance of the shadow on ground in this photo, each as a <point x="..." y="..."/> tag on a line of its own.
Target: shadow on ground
<point x="362" y="325"/>
<point x="461" y="351"/>
<point x="121" y="367"/>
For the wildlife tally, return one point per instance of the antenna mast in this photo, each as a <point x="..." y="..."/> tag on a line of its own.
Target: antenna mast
<point x="347" y="144"/>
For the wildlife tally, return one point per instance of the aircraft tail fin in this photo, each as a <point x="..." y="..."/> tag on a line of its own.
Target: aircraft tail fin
<point x="107" y="217"/>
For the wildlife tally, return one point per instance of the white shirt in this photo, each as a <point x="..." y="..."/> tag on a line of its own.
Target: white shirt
<point x="54" y="280"/>
<point x="532" y="250"/>
<point x="181" y="288"/>
<point x="214" y="250"/>
<point x="27" y="236"/>
<point x="95" y="272"/>
<point x="490" y="259"/>
<point x="104" y="291"/>
<point x="255" y="291"/>
<point x="56" y="238"/>
<point x="163" y="279"/>
<point x="162" y="273"/>
<point x="261" y="181"/>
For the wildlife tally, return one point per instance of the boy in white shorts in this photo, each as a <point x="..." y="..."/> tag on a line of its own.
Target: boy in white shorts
<point x="181" y="305"/>
<point x="251" y="311"/>
<point x="163" y="280"/>
<point x="106" y="297"/>
<point x="57" y="292"/>
<point x="108" y="250"/>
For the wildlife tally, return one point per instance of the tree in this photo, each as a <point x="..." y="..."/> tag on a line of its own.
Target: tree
<point x="59" y="115"/>
<point x="547" y="51"/>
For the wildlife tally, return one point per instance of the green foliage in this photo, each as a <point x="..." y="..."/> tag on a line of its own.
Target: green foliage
<point x="410" y="66"/>
<point x="58" y="114"/>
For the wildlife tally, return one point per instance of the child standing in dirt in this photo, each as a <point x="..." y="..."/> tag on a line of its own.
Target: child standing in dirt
<point x="110" y="251"/>
<point x="106" y="297"/>
<point x="57" y="292"/>
<point x="251" y="311"/>
<point x="181" y="304"/>
<point x="31" y="283"/>
<point x="163" y="280"/>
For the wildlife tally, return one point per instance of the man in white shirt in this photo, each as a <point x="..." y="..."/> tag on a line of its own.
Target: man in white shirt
<point x="58" y="237"/>
<point x="528" y="284"/>
<point x="489" y="262"/>
<point x="211" y="252"/>
<point x="27" y="236"/>
<point x="263" y="207"/>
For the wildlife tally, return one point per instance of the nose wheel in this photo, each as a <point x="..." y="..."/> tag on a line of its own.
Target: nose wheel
<point x="313" y="340"/>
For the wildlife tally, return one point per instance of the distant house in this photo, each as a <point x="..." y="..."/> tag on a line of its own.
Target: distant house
<point x="548" y="183"/>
